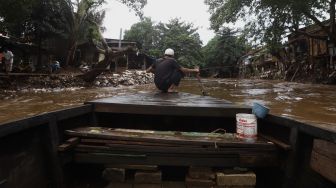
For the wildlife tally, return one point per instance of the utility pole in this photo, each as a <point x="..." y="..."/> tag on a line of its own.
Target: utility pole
<point x="119" y="46"/>
<point x="120" y="37"/>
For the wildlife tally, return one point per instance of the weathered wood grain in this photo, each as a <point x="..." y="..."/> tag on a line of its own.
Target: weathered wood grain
<point x="323" y="159"/>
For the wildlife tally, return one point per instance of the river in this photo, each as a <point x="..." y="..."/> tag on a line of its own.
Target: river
<point x="304" y="102"/>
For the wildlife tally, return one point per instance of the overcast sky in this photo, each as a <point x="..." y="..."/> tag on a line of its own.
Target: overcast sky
<point x="192" y="11"/>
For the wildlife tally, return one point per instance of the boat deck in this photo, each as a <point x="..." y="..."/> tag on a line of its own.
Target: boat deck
<point x="184" y="133"/>
<point x="169" y="104"/>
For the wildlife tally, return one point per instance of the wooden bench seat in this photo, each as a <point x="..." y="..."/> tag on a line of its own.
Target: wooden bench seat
<point x="146" y="147"/>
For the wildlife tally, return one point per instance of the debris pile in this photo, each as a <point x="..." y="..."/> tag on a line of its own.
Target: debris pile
<point x="127" y="78"/>
<point x="62" y="81"/>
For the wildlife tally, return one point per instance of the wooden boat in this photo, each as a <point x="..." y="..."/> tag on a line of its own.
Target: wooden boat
<point x="170" y="132"/>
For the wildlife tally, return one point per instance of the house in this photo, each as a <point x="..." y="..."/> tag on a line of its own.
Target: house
<point x="89" y="55"/>
<point x="312" y="43"/>
<point x="259" y="61"/>
<point x="308" y="51"/>
<point x="120" y="43"/>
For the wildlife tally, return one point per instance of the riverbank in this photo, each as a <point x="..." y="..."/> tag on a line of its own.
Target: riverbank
<point x="50" y="82"/>
<point x="295" y="76"/>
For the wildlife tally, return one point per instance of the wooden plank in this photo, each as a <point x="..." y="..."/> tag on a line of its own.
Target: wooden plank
<point x="169" y="160"/>
<point x="125" y="143"/>
<point x="260" y="160"/>
<point x="73" y="141"/>
<point x="180" y="104"/>
<point x="228" y="111"/>
<point x="72" y="112"/>
<point x="324" y="166"/>
<point x="102" y="142"/>
<point x="52" y="141"/>
<point x="325" y="148"/>
<point x="27" y="123"/>
<point x="64" y="147"/>
<point x="323" y="159"/>
<point x="320" y="131"/>
<point x="226" y="140"/>
<point x="179" y="159"/>
<point x="93" y="118"/>
<point x="134" y="167"/>
<point x="21" y="125"/>
<point x="291" y="166"/>
<point x="68" y="145"/>
<point x="277" y="142"/>
<point x="175" y="150"/>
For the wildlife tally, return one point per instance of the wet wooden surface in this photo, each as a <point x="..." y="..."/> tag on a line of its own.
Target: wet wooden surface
<point x="184" y="104"/>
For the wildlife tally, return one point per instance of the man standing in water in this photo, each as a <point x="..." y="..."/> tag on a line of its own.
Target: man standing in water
<point x="168" y="73"/>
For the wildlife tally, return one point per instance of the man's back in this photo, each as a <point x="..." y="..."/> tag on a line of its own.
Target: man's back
<point x="164" y="68"/>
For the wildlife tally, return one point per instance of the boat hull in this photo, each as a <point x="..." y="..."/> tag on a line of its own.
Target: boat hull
<point x="38" y="151"/>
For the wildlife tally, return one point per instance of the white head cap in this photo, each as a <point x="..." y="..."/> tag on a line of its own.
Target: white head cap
<point x="169" y="52"/>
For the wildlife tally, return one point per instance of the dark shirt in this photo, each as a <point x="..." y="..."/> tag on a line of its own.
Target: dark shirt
<point x="163" y="70"/>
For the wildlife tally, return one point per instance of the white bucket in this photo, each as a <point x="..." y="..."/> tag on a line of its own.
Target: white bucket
<point x="247" y="127"/>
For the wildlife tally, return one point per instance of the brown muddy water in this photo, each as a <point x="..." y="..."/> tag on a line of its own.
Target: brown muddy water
<point x="304" y="102"/>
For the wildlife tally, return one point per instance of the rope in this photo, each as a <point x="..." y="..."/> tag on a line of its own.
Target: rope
<point x="217" y="130"/>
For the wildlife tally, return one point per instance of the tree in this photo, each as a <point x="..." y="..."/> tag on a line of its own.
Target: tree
<point x="178" y="35"/>
<point x="31" y="20"/>
<point x="224" y="49"/>
<point x="83" y="18"/>
<point x="184" y="39"/>
<point x="145" y="34"/>
<point x="74" y="20"/>
<point x="15" y="16"/>
<point x="269" y="20"/>
<point x="47" y="22"/>
<point x="78" y="17"/>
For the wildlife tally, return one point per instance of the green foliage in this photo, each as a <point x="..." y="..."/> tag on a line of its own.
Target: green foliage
<point x="79" y="18"/>
<point x="145" y="34"/>
<point x="224" y="49"/>
<point x="75" y="21"/>
<point x="178" y="35"/>
<point x="45" y="19"/>
<point x="268" y="21"/>
<point x="15" y="16"/>
<point x="184" y="39"/>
